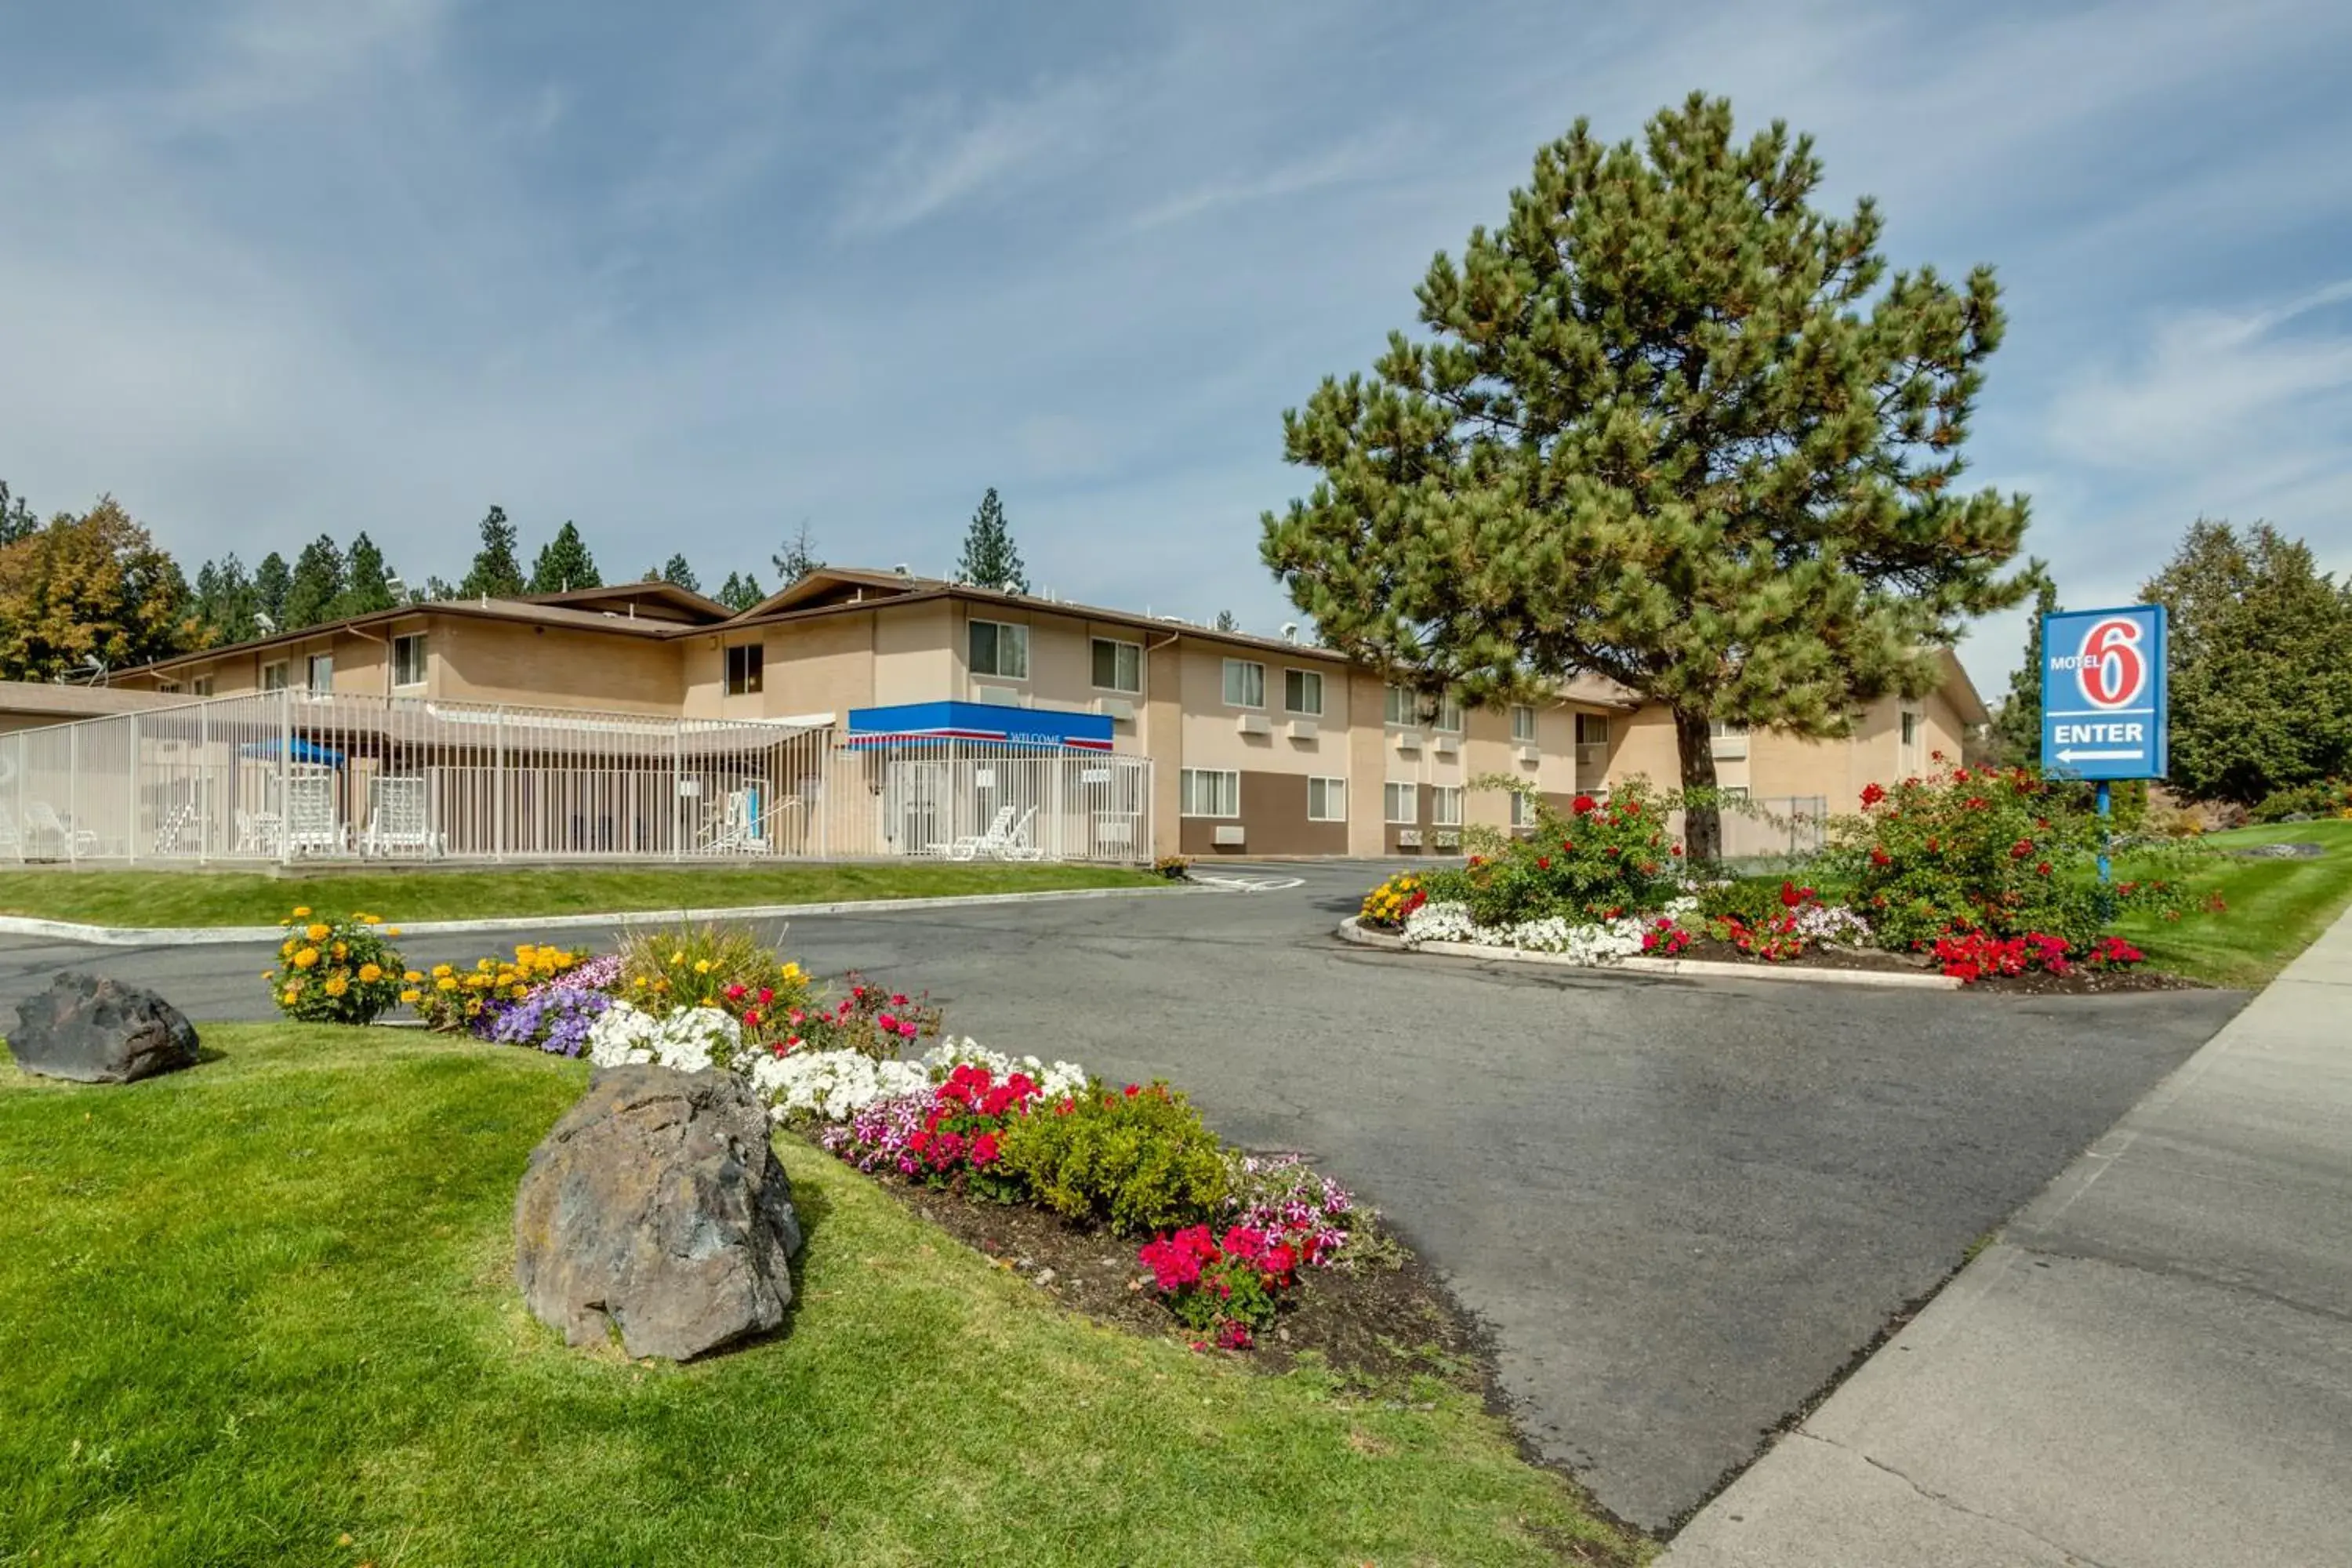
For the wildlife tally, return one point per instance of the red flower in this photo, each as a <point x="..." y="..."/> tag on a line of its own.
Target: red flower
<point x="1582" y="804"/>
<point x="1879" y="856"/>
<point x="751" y="1016"/>
<point x="1676" y="851"/>
<point x="766" y="996"/>
<point x="1790" y="897"/>
<point x="734" y="993"/>
<point x="1133" y="1090"/>
<point x="897" y="999"/>
<point x="984" y="1149"/>
<point x="1872" y="793"/>
<point x="2020" y="849"/>
<point x="2042" y="869"/>
<point x="1543" y="862"/>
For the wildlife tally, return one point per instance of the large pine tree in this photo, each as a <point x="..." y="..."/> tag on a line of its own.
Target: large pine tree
<point x="565" y="564"/>
<point x="2017" y="728"/>
<point x="16" y="518"/>
<point x="990" y="560"/>
<point x="226" y="602"/>
<point x="317" y="585"/>
<point x="366" y="587"/>
<point x="679" y="573"/>
<point x="796" y="557"/>
<point x="496" y="571"/>
<point x="272" y="581"/>
<point x="739" y="592"/>
<point x="1670" y="424"/>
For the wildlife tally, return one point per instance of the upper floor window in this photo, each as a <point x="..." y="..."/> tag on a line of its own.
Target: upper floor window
<point x="1449" y="713"/>
<point x="1592" y="729"/>
<point x="1400" y="705"/>
<point x="273" y="676"/>
<point x="746" y="668"/>
<point x="202" y="686"/>
<point x="321" y="676"/>
<point x="1244" y="684"/>
<point x="1000" y="648"/>
<point x="1118" y="665"/>
<point x="1302" y="691"/>
<point x="1523" y="724"/>
<point x="408" y="659"/>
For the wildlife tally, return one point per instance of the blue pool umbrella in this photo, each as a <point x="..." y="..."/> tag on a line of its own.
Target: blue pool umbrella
<point x="298" y="751"/>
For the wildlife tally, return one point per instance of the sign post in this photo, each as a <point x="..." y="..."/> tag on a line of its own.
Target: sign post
<point x="2103" y="700"/>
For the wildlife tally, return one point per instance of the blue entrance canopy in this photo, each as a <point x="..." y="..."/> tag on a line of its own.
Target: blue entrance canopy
<point x="298" y="751"/>
<point x="978" y="722"/>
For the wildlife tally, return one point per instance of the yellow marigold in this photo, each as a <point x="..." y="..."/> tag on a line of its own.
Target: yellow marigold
<point x="678" y="957"/>
<point x="447" y="983"/>
<point x="293" y="994"/>
<point x="343" y="951"/>
<point x="337" y="985"/>
<point x="370" y="973"/>
<point x="392" y="931"/>
<point x="412" y="977"/>
<point x="442" y="971"/>
<point x="317" y="933"/>
<point x="306" y="958"/>
<point x="791" y="972"/>
<point x="371" y="919"/>
<point x="286" y="948"/>
<point x="702" y="966"/>
<point x="484" y="964"/>
<point x="411" y="996"/>
<point x="520" y="991"/>
<point x="302" y="912"/>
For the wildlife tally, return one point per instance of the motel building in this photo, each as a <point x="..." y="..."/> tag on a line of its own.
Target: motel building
<point x="855" y="712"/>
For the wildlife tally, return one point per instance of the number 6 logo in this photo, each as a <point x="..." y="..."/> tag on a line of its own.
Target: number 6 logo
<point x="2112" y="669"/>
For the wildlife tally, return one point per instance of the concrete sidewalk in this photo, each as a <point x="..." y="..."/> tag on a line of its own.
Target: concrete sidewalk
<point x="2152" y="1367"/>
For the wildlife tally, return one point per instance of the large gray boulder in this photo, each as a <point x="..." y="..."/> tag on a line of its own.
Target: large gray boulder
<point x="658" y="1207"/>
<point x="94" y="1030"/>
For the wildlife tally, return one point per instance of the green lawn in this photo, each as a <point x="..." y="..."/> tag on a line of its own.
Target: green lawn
<point x="2275" y="907"/>
<point x="253" y="1309"/>
<point x="247" y="898"/>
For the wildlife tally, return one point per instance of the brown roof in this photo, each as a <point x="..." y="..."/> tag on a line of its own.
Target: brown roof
<point x="78" y="701"/>
<point x="683" y="603"/>
<point x="526" y="610"/>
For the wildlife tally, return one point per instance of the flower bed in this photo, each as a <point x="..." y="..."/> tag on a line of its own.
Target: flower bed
<point x="1982" y="876"/>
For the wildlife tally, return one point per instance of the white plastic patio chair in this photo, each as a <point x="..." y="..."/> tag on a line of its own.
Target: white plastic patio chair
<point x="41" y="821"/>
<point x="311" y="824"/>
<point x="400" y="817"/>
<point x="971" y="846"/>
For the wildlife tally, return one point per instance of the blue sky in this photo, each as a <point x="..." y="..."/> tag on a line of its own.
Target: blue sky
<point x="691" y="275"/>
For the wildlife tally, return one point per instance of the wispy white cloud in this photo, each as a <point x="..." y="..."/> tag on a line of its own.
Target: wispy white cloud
<point x="953" y="154"/>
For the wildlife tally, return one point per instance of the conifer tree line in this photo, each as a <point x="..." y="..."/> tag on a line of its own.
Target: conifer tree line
<point x="92" y="590"/>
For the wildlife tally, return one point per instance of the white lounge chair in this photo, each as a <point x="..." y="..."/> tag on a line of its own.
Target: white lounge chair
<point x="742" y="825"/>
<point x="182" y="827"/>
<point x="400" y="817"/>
<point x="259" y="832"/>
<point x="42" y="821"/>
<point x="1017" y="846"/>
<point x="973" y="846"/>
<point x="312" y="825"/>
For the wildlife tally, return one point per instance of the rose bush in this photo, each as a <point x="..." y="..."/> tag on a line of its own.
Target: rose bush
<point x="338" y="971"/>
<point x="1602" y="859"/>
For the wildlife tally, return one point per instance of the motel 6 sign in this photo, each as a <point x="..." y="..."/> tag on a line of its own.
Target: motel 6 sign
<point x="2102" y="693"/>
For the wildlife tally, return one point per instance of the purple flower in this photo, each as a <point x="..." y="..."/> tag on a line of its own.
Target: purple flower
<point x="554" y="1019"/>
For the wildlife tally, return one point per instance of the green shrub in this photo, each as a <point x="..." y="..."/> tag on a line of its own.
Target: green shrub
<point x="1752" y="901"/>
<point x="336" y="971"/>
<point x="1598" y="860"/>
<point x="1139" y="1159"/>
<point x="2321" y="798"/>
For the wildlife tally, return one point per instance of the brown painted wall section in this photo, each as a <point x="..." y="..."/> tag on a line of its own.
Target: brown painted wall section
<point x="1273" y="820"/>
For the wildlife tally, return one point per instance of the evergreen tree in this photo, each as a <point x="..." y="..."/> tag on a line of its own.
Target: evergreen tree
<point x="496" y="572"/>
<point x="272" y="582"/>
<point x="365" y="589"/>
<point x="678" y="573"/>
<point x="990" y="560"/>
<point x="436" y="589"/>
<point x="225" y="601"/>
<point x="564" y="564"/>
<point x="16" y="520"/>
<point x="1674" y="426"/>
<point x="317" y="585"/>
<point x="796" y="557"/>
<point x="739" y="592"/>
<point x="2017" y="728"/>
<point x="2261" y="685"/>
<point x="91" y="587"/>
<point x="1226" y="622"/>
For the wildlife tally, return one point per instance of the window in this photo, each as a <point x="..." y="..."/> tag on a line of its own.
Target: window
<point x="1208" y="791"/>
<point x="1910" y="729"/>
<point x="1404" y="707"/>
<point x="202" y="686"/>
<point x="1523" y="724"/>
<point x="1523" y="810"/>
<point x="1302" y="691"/>
<point x="1000" y="648"/>
<point x="1403" y="802"/>
<point x="408" y="659"/>
<point x="1446" y="805"/>
<point x="1118" y="665"/>
<point x="1449" y="713"/>
<point x="1327" y="800"/>
<point x="1592" y="729"/>
<point x="746" y="668"/>
<point x="273" y="676"/>
<point x="1244" y="684"/>
<point x="168" y="688"/>
<point x="321" y="676"/>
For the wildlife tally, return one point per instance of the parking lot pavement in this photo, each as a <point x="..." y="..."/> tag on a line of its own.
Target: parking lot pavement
<point x="1683" y="1206"/>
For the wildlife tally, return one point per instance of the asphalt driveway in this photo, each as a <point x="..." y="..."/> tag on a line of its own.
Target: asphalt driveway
<point x="1683" y="1206"/>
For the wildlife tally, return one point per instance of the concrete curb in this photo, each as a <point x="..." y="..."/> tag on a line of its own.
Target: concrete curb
<point x="226" y="936"/>
<point x="1352" y="930"/>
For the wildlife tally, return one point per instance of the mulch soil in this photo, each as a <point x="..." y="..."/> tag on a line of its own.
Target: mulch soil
<point x="2077" y="982"/>
<point x="1376" y="1326"/>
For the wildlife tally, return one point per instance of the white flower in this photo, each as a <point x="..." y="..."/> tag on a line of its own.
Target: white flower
<point x="1580" y="941"/>
<point x="831" y="1085"/>
<point x="693" y="1040"/>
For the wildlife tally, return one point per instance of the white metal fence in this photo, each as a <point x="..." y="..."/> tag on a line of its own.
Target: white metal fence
<point x="291" y="774"/>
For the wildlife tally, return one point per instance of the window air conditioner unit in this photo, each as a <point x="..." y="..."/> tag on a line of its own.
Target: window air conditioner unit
<point x="1255" y="724"/>
<point x="1303" y="729"/>
<point x="1228" y="837"/>
<point x="1115" y="706"/>
<point x="1409" y="839"/>
<point x="1406" y="741"/>
<point x="998" y="696"/>
<point x="1449" y="839"/>
<point x="1446" y="745"/>
<point x="1531" y="753"/>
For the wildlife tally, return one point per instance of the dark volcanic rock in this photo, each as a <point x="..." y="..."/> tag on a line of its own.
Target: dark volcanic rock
<point x="94" y="1030"/>
<point x="658" y="1207"/>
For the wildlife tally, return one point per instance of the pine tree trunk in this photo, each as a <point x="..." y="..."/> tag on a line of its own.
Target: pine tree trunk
<point x="1702" y="824"/>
